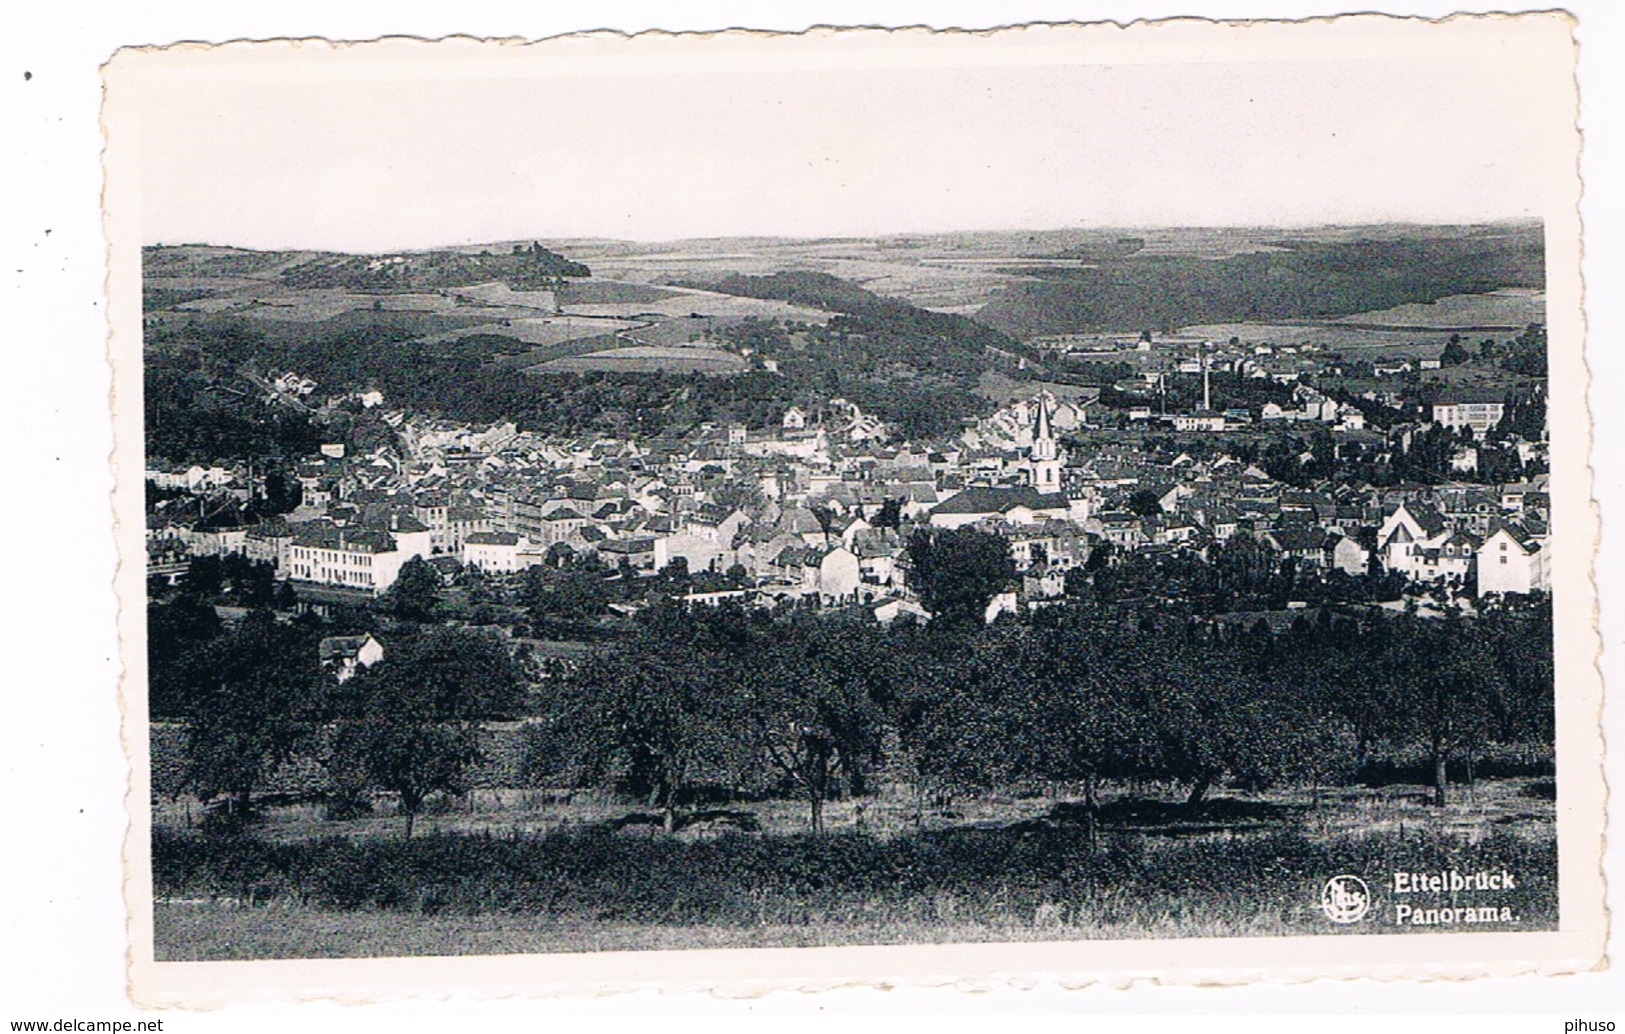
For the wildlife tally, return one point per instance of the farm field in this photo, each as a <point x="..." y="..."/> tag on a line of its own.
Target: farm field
<point x="1509" y="309"/>
<point x="957" y="273"/>
<point x="202" y="260"/>
<point x="414" y="324"/>
<point x="1477" y="379"/>
<point x="540" y="331"/>
<point x="896" y="269"/>
<point x="1354" y="341"/>
<point x="681" y="302"/>
<point x="1002" y="390"/>
<point x="1403" y="331"/>
<point x="319" y="304"/>
<point x="599" y="291"/>
<point x="961" y="273"/>
<point x="576" y="875"/>
<point x="649" y="359"/>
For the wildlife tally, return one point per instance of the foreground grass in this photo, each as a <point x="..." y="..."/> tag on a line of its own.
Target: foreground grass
<point x="1514" y="805"/>
<point x="210" y="932"/>
<point x="589" y="890"/>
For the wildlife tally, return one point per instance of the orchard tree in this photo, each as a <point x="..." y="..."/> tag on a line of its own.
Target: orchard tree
<point x="177" y="634"/>
<point x="948" y="737"/>
<point x="957" y="572"/>
<point x="250" y="583"/>
<point x="662" y="707"/>
<point x="1447" y="681"/>
<point x="255" y="702"/>
<point x="464" y="673"/>
<point x="1208" y="719"/>
<point x="1518" y="632"/>
<point x="205" y="577"/>
<point x="1068" y="716"/>
<point x="573" y="593"/>
<point x="415" y="592"/>
<point x="403" y="743"/>
<point x="413" y="724"/>
<point x="816" y="694"/>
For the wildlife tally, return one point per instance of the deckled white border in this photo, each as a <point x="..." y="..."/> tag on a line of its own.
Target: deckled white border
<point x="1439" y="956"/>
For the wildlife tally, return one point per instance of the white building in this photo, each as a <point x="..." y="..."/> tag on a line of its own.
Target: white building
<point x="1199" y="422"/>
<point x="353" y="558"/>
<point x="1420" y="545"/>
<point x="346" y="655"/>
<point x="700" y="554"/>
<point x="1512" y="561"/>
<point x="834" y="576"/>
<point x="501" y="552"/>
<point x="1480" y="416"/>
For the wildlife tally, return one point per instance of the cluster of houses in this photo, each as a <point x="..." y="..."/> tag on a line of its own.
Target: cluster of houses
<point x="822" y="509"/>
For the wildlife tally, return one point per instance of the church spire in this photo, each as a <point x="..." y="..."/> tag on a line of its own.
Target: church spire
<point x="1042" y="432"/>
<point x="1044" y="461"/>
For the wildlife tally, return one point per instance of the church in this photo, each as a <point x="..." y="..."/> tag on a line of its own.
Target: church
<point x="1039" y="499"/>
<point x="1044" y="459"/>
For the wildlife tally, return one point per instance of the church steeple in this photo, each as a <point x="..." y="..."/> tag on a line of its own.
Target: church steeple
<point x="1044" y="461"/>
<point x="1043" y="434"/>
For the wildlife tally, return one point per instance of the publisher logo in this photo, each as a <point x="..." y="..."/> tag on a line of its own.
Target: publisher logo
<point x="1345" y="899"/>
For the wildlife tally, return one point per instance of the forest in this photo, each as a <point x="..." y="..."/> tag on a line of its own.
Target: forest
<point x="893" y="365"/>
<point x="1291" y="280"/>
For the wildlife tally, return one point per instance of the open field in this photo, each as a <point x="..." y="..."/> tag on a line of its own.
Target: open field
<point x="1511" y="309"/>
<point x="998" y="869"/>
<point x="649" y="359"/>
<point x="1003" y="390"/>
<point x="210" y="931"/>
<point x="542" y="332"/>
<point x="203" y="260"/>
<point x="1360" y="342"/>
<point x="1518" y="805"/>
<point x="319" y="304"/>
<point x="598" y="291"/>
<point x="681" y="302"/>
<point x="950" y="287"/>
<point x="1477" y="379"/>
<point x="498" y="293"/>
<point x="964" y="272"/>
<point x="959" y="273"/>
<point x="1402" y="330"/>
<point x="415" y="324"/>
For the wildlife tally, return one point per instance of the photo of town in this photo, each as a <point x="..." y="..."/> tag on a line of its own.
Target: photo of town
<point x="1093" y="581"/>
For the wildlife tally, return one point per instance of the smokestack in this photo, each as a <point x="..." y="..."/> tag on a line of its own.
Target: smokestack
<point x="1207" y="399"/>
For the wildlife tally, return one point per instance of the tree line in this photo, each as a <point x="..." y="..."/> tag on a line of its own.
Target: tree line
<point x="812" y="705"/>
<point x="253" y="697"/>
<point x="697" y="701"/>
<point x="1294" y="279"/>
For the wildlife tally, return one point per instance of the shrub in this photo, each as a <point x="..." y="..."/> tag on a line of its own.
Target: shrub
<point x="995" y="876"/>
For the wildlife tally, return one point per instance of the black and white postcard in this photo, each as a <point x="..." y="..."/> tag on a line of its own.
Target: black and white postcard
<point x="751" y="510"/>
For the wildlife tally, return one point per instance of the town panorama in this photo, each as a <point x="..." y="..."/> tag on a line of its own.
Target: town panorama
<point x="1024" y="585"/>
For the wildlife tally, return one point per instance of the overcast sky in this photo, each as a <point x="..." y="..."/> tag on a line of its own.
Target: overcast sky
<point x="385" y="147"/>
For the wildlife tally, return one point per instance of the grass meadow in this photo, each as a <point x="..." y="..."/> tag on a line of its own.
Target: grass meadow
<point x="650" y="359"/>
<point x="512" y="872"/>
